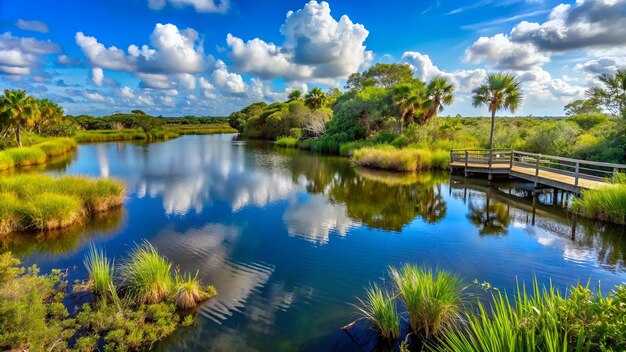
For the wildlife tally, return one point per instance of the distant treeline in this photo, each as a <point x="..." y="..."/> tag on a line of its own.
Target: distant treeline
<point x="141" y="120"/>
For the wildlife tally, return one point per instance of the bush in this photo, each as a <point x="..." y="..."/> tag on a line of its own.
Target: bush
<point x="295" y="133"/>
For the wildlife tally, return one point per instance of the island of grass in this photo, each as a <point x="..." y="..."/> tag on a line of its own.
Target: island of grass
<point x="41" y="202"/>
<point x="35" y="154"/>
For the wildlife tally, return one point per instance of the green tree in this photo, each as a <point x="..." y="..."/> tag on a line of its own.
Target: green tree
<point x="440" y="92"/>
<point x="295" y="95"/>
<point x="50" y="113"/>
<point x="582" y="107"/>
<point x="499" y="91"/>
<point x="380" y="75"/>
<point x="19" y="111"/>
<point x="315" y="98"/>
<point x="409" y="98"/>
<point x="613" y="95"/>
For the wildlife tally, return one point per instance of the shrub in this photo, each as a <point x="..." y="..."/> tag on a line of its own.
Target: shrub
<point x="147" y="276"/>
<point x="26" y="156"/>
<point x="295" y="133"/>
<point x="287" y="142"/>
<point x="379" y="308"/>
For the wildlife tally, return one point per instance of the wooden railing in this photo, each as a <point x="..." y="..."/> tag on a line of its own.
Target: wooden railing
<point x="500" y="158"/>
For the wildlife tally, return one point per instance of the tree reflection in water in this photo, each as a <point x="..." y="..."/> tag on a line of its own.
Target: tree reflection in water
<point x="489" y="216"/>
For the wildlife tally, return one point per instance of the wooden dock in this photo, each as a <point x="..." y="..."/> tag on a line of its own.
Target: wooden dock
<point x="566" y="174"/>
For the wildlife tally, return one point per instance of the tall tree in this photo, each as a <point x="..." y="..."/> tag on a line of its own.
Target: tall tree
<point x="295" y="95"/>
<point x="380" y="75"/>
<point x="19" y="110"/>
<point x="49" y="113"/>
<point x="409" y="98"/>
<point x="440" y="92"/>
<point x="315" y="98"/>
<point x="613" y="95"/>
<point x="499" y="91"/>
<point x="582" y="107"/>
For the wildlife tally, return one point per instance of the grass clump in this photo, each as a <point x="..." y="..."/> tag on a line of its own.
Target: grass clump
<point x="6" y="162"/>
<point x="379" y="308"/>
<point x="147" y="276"/>
<point x="607" y="203"/>
<point x="40" y="202"/>
<point x="26" y="156"/>
<point x="433" y="300"/>
<point x="100" y="271"/>
<point x="286" y="142"/>
<point x="188" y="291"/>
<point x="57" y="146"/>
<point x="386" y="157"/>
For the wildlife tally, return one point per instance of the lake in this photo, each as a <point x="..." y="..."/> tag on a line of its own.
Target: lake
<point x="290" y="238"/>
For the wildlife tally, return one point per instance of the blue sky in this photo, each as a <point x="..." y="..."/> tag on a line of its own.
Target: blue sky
<point x="210" y="57"/>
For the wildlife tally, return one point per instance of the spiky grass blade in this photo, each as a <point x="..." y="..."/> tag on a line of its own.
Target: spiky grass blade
<point x="379" y="308"/>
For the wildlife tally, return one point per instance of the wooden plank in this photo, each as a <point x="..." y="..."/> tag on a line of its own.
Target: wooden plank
<point x="568" y="180"/>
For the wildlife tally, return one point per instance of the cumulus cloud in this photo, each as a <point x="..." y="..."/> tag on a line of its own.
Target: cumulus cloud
<point x="504" y="54"/>
<point x="316" y="46"/>
<point x="423" y="68"/>
<point x="209" y="6"/>
<point x="601" y="65"/>
<point x="173" y="51"/>
<point x="588" y="23"/>
<point x="18" y="55"/>
<point x="226" y="81"/>
<point x="67" y="61"/>
<point x="34" y="26"/>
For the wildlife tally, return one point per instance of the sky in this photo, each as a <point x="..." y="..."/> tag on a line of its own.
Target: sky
<point x="213" y="57"/>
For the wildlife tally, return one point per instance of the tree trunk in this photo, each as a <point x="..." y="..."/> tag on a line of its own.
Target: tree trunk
<point x="400" y="123"/>
<point x="18" y="139"/>
<point x="493" y="123"/>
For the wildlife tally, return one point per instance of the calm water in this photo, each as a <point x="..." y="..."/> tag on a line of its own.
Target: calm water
<point x="290" y="239"/>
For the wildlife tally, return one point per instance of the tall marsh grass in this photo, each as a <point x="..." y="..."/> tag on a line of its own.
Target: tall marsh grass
<point x="188" y="291"/>
<point x="607" y="203"/>
<point x="35" y="154"/>
<point x="387" y="157"/>
<point x="379" y="308"/>
<point x="286" y="142"/>
<point x="147" y="276"/>
<point x="41" y="202"/>
<point x="100" y="271"/>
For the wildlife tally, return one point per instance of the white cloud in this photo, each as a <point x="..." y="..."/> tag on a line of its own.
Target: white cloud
<point x="18" y="55"/>
<point x="34" y="26"/>
<point x="504" y="54"/>
<point x="209" y="6"/>
<point x="423" y="68"/>
<point x="225" y="81"/>
<point x="173" y="51"/>
<point x="316" y="46"/>
<point x="97" y="76"/>
<point x="64" y="60"/>
<point x="588" y="23"/>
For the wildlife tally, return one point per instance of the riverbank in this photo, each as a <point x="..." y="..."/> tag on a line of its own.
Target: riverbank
<point x="165" y="133"/>
<point x="42" y="203"/>
<point x="36" y="154"/>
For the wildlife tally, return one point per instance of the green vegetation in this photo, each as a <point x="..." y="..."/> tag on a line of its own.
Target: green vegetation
<point x="542" y="319"/>
<point x="36" y="154"/>
<point x="379" y="308"/>
<point x="606" y="203"/>
<point x="34" y="315"/>
<point x="39" y="203"/>
<point x="287" y="142"/>
<point x="147" y="276"/>
<point x="406" y="159"/>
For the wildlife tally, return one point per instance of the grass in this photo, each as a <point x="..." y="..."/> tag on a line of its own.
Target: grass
<point x="93" y="136"/>
<point x="287" y="142"/>
<point x="36" y="154"/>
<point x="386" y="157"/>
<point x="215" y="128"/>
<point x="100" y="272"/>
<point x="606" y="203"/>
<point x="41" y="202"/>
<point x="147" y="276"/>
<point x="379" y="308"/>
<point x="188" y="291"/>
<point x="433" y="300"/>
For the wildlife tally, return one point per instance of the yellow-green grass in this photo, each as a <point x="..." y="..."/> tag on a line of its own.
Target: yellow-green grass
<point x="36" y="154"/>
<point x="93" y="136"/>
<point x="100" y="270"/>
<point x="286" y="142"/>
<point x="147" y="276"/>
<point x="379" y="308"/>
<point x="606" y="203"/>
<point x="387" y="157"/>
<point x="188" y="291"/>
<point x="216" y="128"/>
<point x="40" y="202"/>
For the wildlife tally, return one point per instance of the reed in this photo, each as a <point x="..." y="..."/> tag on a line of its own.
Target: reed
<point x="391" y="158"/>
<point x="100" y="270"/>
<point x="433" y="300"/>
<point x="147" y="276"/>
<point x="379" y="308"/>
<point x="607" y="203"/>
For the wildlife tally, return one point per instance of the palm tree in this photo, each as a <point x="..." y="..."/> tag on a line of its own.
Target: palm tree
<point x="440" y="92"/>
<point x="19" y="109"/>
<point x="49" y="113"/>
<point x="499" y="91"/>
<point x="408" y="98"/>
<point x="613" y="96"/>
<point x="315" y="98"/>
<point x="295" y="95"/>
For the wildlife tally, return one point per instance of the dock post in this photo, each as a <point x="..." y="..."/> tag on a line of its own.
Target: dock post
<point x="537" y="170"/>
<point x="466" y="161"/>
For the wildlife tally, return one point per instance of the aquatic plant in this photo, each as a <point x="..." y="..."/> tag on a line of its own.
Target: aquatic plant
<point x="100" y="281"/>
<point x="433" y="300"/>
<point x="379" y="308"/>
<point x="287" y="142"/>
<point x="607" y="203"/>
<point x="188" y="291"/>
<point x="147" y="276"/>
